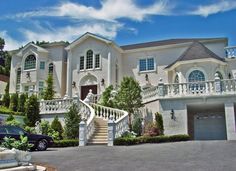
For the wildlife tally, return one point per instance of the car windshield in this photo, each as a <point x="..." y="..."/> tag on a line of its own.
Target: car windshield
<point x="15" y="130"/>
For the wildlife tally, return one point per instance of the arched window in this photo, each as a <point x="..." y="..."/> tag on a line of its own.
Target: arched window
<point x="195" y="77"/>
<point x="50" y="68"/>
<point x="30" y="62"/>
<point x="219" y="75"/>
<point x="89" y="59"/>
<point x="18" y="75"/>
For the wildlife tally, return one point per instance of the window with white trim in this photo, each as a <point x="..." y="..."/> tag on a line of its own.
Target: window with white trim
<point x="30" y="62"/>
<point x="26" y="89"/>
<point x="41" y="86"/>
<point x="18" y="76"/>
<point x="81" y="63"/>
<point x="50" y="68"/>
<point x="42" y="65"/>
<point x="97" y="61"/>
<point x="89" y="59"/>
<point x="194" y="78"/>
<point x="147" y="64"/>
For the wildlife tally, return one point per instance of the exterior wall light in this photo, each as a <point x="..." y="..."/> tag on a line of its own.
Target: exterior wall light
<point x="28" y="74"/>
<point x="146" y="77"/>
<point x="172" y="114"/>
<point x="73" y="84"/>
<point x="102" y="82"/>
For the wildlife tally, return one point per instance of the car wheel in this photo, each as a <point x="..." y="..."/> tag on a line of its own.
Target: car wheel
<point x="42" y="145"/>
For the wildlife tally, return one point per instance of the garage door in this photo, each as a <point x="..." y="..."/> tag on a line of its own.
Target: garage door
<point x="209" y="127"/>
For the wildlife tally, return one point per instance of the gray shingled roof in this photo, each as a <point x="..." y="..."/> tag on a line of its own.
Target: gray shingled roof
<point x="197" y="51"/>
<point x="165" y="42"/>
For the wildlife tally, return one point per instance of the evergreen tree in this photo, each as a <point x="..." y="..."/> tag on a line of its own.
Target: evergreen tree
<point x="159" y="123"/>
<point x="106" y="97"/>
<point x="49" y="91"/>
<point x="56" y="126"/>
<point x="32" y="111"/>
<point x="21" y="102"/>
<point x="14" y="102"/>
<point x="129" y="96"/>
<point x="6" y="97"/>
<point x="6" y="57"/>
<point x="72" y="120"/>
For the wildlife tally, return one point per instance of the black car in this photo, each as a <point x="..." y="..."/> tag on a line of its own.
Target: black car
<point x="40" y="142"/>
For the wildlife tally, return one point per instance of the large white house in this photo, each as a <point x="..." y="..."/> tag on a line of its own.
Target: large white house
<point x="189" y="81"/>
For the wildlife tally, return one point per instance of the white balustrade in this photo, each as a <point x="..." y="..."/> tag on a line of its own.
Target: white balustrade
<point x="204" y="88"/>
<point x="230" y="52"/>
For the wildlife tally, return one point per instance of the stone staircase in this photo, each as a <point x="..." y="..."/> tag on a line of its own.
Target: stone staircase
<point x="100" y="134"/>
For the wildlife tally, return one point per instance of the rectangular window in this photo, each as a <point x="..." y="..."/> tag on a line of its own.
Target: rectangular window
<point x="41" y="86"/>
<point x="97" y="61"/>
<point x="147" y="64"/>
<point x="42" y="65"/>
<point x="26" y="88"/>
<point x="81" y="64"/>
<point x="89" y="62"/>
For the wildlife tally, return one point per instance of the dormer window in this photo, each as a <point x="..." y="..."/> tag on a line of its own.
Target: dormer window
<point x="30" y="62"/>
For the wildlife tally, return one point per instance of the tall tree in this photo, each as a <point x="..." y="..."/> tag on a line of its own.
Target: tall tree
<point x="129" y="96"/>
<point x="49" y="91"/>
<point x="6" y="97"/>
<point x="5" y="59"/>
<point x="106" y="97"/>
<point x="32" y="111"/>
<point x="14" y="102"/>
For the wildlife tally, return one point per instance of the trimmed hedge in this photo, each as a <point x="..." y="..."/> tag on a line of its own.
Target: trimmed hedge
<point x="5" y="110"/>
<point x="66" y="143"/>
<point x="155" y="139"/>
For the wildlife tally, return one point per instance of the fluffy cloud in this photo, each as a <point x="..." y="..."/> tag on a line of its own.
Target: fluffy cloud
<point x="10" y="43"/>
<point x="110" y="10"/>
<point x="221" y="6"/>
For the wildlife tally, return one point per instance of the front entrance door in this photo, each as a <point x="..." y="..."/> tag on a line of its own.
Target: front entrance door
<point x="85" y="90"/>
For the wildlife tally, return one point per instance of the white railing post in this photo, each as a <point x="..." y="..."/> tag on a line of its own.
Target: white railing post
<point x="161" y="88"/>
<point x="111" y="132"/>
<point x="217" y="83"/>
<point x="82" y="133"/>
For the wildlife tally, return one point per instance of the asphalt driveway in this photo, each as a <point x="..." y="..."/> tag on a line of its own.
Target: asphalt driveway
<point x="180" y="156"/>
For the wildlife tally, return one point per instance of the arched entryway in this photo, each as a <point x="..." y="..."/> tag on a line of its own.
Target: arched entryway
<point x="86" y="83"/>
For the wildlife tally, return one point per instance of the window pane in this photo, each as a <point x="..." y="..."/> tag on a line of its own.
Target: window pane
<point x="150" y="64"/>
<point x="18" y="75"/>
<point x="42" y="65"/>
<point x="50" y="68"/>
<point x="89" y="60"/>
<point x="142" y="65"/>
<point x="97" y="61"/>
<point x="14" y="130"/>
<point x="41" y="86"/>
<point x="81" y="64"/>
<point x="26" y="88"/>
<point x="3" y="130"/>
<point x="30" y="62"/>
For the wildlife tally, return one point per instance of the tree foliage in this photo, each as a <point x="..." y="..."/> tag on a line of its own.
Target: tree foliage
<point x="159" y="123"/>
<point x="6" y="59"/>
<point x="72" y="120"/>
<point x="14" y="102"/>
<point x="21" y="102"/>
<point x="49" y="91"/>
<point x="129" y="96"/>
<point x="56" y="125"/>
<point x="32" y="111"/>
<point x="6" y="97"/>
<point x="106" y="97"/>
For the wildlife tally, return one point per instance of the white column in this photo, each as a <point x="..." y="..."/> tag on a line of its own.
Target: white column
<point x="230" y="120"/>
<point x="69" y="75"/>
<point x="109" y="69"/>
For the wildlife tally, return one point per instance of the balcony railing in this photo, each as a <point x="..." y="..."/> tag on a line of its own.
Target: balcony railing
<point x="231" y="52"/>
<point x="191" y="89"/>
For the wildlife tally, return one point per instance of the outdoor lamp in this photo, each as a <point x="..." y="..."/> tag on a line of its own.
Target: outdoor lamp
<point x="28" y="74"/>
<point x="172" y="113"/>
<point x="146" y="77"/>
<point x="73" y="84"/>
<point x="103" y="82"/>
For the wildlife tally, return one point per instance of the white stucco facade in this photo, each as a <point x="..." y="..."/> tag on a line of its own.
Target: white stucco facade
<point x="93" y="62"/>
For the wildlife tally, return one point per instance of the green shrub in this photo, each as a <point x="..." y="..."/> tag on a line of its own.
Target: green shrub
<point x="56" y="126"/>
<point x="149" y="139"/>
<point x="21" y="144"/>
<point x="159" y="123"/>
<point x="12" y="121"/>
<point x="151" y="129"/>
<point x="45" y="126"/>
<point x="32" y="111"/>
<point x="66" y="143"/>
<point x="30" y="130"/>
<point x="137" y="126"/>
<point x="72" y="120"/>
<point x="106" y="97"/>
<point x="5" y="110"/>
<point x="14" y="102"/>
<point x="21" y="102"/>
<point x="6" y="97"/>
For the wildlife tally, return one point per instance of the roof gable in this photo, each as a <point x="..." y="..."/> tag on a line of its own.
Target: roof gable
<point x="197" y="51"/>
<point x="40" y="49"/>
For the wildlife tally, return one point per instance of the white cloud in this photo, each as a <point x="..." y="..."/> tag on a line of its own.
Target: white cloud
<point x="10" y="43"/>
<point x="110" y="10"/>
<point x="221" y="6"/>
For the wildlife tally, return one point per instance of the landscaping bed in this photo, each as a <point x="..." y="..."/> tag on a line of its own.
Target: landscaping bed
<point x="66" y="143"/>
<point x="150" y="139"/>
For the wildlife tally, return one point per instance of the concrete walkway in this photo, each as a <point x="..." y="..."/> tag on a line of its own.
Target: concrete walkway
<point x="180" y="156"/>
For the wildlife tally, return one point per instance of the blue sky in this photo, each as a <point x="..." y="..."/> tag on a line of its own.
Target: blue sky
<point x="124" y="21"/>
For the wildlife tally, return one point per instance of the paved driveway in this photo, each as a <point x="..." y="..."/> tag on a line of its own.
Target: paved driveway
<point x="180" y="156"/>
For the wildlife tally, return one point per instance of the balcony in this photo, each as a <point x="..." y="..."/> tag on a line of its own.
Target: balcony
<point x="230" y="52"/>
<point x="193" y="89"/>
